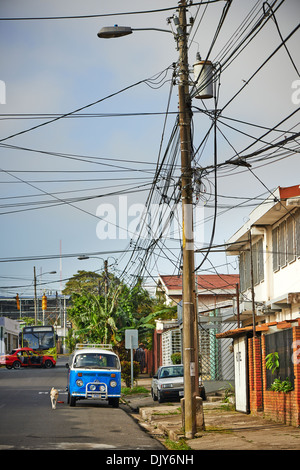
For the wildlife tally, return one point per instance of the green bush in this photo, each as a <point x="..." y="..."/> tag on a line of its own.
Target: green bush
<point x="126" y="372"/>
<point x="176" y="358"/>
<point x="282" y="386"/>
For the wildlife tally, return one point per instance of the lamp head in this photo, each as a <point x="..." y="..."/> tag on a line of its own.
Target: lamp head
<point x="114" y="31"/>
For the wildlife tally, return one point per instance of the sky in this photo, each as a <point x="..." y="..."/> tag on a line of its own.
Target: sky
<point x="86" y="122"/>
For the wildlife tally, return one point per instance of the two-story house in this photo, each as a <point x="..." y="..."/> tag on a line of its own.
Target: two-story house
<point x="268" y="246"/>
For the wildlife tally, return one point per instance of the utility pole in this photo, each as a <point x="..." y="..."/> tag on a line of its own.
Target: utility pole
<point x="106" y="278"/>
<point x="190" y="352"/>
<point x="190" y="325"/>
<point x="35" y="296"/>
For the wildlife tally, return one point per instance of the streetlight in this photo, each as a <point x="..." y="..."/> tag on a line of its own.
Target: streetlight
<point x="35" y="294"/>
<point x="190" y="326"/>
<point x="105" y="261"/>
<point x="116" y="31"/>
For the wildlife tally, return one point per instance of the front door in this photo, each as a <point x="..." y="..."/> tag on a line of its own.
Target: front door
<point x="241" y="375"/>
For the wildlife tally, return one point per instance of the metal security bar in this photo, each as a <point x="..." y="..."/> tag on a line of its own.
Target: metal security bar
<point x="216" y="356"/>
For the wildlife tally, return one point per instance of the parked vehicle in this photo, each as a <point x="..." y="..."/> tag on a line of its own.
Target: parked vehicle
<point x="94" y="373"/>
<point x="26" y="357"/>
<point x="168" y="383"/>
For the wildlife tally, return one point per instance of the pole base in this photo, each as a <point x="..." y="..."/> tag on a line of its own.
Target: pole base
<point x="198" y="423"/>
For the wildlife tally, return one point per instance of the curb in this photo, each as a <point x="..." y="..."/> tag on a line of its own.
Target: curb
<point x="169" y="425"/>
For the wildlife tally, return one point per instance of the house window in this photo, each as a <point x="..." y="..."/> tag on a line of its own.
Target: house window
<point x="291" y="247"/>
<point x="258" y="262"/>
<point x="258" y="266"/>
<point x="281" y="342"/>
<point x="286" y="241"/>
<point x="275" y="249"/>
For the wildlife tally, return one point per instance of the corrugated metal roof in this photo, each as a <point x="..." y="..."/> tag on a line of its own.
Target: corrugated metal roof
<point x="258" y="328"/>
<point x="204" y="281"/>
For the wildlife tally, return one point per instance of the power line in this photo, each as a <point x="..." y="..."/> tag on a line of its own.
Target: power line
<point x="104" y="15"/>
<point x="81" y="108"/>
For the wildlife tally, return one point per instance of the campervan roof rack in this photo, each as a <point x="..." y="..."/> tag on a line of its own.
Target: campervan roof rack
<point x="93" y="345"/>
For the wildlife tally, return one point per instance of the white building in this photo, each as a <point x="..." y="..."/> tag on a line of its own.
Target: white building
<point x="274" y="228"/>
<point x="268" y="246"/>
<point x="9" y="335"/>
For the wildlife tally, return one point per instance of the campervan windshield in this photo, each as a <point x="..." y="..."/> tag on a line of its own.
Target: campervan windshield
<point x="95" y="360"/>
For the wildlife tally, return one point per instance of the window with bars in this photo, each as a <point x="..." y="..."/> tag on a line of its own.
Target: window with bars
<point x="258" y="265"/>
<point x="286" y="241"/>
<point x="282" y="343"/>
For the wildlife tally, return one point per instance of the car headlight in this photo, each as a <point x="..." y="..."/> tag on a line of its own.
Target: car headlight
<point x="93" y="387"/>
<point x="166" y="385"/>
<point x="113" y="383"/>
<point x="79" y="383"/>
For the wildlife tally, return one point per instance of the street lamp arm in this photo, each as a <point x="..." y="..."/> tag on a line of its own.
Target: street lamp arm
<point x="116" y="31"/>
<point x="152" y="29"/>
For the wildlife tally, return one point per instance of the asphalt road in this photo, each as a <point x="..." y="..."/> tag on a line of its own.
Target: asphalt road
<point x="29" y="423"/>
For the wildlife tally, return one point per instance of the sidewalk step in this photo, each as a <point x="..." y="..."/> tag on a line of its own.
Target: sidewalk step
<point x="213" y="398"/>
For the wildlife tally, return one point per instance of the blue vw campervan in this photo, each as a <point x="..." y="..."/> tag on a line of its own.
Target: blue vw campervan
<point x="94" y="373"/>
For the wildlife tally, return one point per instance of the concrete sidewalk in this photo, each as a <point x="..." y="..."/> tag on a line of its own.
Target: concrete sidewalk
<point x="224" y="430"/>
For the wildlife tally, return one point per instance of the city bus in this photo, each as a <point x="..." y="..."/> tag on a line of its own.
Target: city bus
<point x="42" y="339"/>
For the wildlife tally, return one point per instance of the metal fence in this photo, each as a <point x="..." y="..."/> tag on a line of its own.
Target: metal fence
<point x="215" y="355"/>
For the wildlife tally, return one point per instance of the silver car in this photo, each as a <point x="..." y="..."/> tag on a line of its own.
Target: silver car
<point x="167" y="383"/>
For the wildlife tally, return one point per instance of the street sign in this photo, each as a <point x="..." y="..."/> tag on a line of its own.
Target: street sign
<point x="131" y="342"/>
<point x="131" y="339"/>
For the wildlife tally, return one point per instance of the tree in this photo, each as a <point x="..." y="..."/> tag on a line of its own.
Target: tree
<point x="138" y="310"/>
<point x="89" y="281"/>
<point x="93" y="317"/>
<point x="83" y="281"/>
<point x="103" y="318"/>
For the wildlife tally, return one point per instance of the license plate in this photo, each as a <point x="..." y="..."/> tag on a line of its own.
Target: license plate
<point x="95" y="396"/>
<point x="181" y="393"/>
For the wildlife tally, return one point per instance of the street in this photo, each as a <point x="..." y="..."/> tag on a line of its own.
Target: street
<point x="29" y="423"/>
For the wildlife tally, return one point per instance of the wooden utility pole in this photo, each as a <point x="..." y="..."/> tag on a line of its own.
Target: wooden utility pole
<point x="35" y="296"/>
<point x="106" y="278"/>
<point x="190" y="352"/>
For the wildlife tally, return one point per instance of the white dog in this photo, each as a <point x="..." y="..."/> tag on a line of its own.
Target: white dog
<point x="53" y="397"/>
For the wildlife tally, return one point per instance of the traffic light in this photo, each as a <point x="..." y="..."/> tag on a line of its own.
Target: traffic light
<point x="18" y="301"/>
<point x="44" y="302"/>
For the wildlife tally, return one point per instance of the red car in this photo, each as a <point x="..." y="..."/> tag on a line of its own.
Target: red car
<point x="26" y="357"/>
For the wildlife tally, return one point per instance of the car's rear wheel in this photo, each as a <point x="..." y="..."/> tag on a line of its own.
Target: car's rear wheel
<point x="8" y="367"/>
<point x="48" y="364"/>
<point x="16" y="365"/>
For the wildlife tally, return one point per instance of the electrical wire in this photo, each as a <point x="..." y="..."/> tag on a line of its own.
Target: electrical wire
<point x="104" y="15"/>
<point x="81" y="108"/>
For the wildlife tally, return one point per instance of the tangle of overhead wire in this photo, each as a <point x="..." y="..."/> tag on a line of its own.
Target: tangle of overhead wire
<point x="103" y="15"/>
<point x="24" y="131"/>
<point x="272" y="13"/>
<point x="258" y="25"/>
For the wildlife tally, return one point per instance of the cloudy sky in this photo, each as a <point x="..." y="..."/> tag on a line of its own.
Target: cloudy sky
<point x="86" y="122"/>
